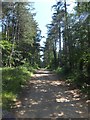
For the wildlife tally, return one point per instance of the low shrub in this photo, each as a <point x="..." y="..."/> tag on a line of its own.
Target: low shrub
<point x="12" y="81"/>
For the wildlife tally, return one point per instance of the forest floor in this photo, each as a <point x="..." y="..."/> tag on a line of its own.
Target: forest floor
<point x="46" y="96"/>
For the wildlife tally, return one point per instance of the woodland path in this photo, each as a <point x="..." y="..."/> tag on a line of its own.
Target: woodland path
<point x="45" y="96"/>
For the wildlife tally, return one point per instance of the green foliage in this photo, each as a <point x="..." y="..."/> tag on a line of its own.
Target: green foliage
<point x="20" y="48"/>
<point x="29" y="67"/>
<point x="59" y="70"/>
<point x="86" y="62"/>
<point x="72" y="60"/>
<point x="6" y="47"/>
<point x="84" y="68"/>
<point x="8" y="99"/>
<point x="13" y="79"/>
<point x="20" y="34"/>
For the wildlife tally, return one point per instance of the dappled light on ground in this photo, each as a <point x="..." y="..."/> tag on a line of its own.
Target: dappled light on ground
<point x="62" y="100"/>
<point x="45" y="96"/>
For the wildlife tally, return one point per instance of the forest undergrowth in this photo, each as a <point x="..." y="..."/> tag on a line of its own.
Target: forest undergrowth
<point x="13" y="80"/>
<point x="76" y="78"/>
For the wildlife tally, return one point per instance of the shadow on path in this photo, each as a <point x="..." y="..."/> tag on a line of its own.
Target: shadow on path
<point x="45" y="96"/>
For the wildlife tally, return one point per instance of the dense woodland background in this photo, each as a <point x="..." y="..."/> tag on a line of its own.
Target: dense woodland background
<point x="66" y="50"/>
<point x="73" y="29"/>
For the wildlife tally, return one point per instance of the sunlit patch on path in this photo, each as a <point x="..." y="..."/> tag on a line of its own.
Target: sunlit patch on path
<point x="45" y="96"/>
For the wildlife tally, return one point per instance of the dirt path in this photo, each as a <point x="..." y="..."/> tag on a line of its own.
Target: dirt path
<point x="46" y="96"/>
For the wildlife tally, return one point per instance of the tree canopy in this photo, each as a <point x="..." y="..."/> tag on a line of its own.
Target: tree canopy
<point x="20" y="34"/>
<point x="68" y="40"/>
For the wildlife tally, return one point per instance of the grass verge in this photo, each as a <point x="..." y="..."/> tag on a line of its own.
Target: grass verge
<point x="12" y="81"/>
